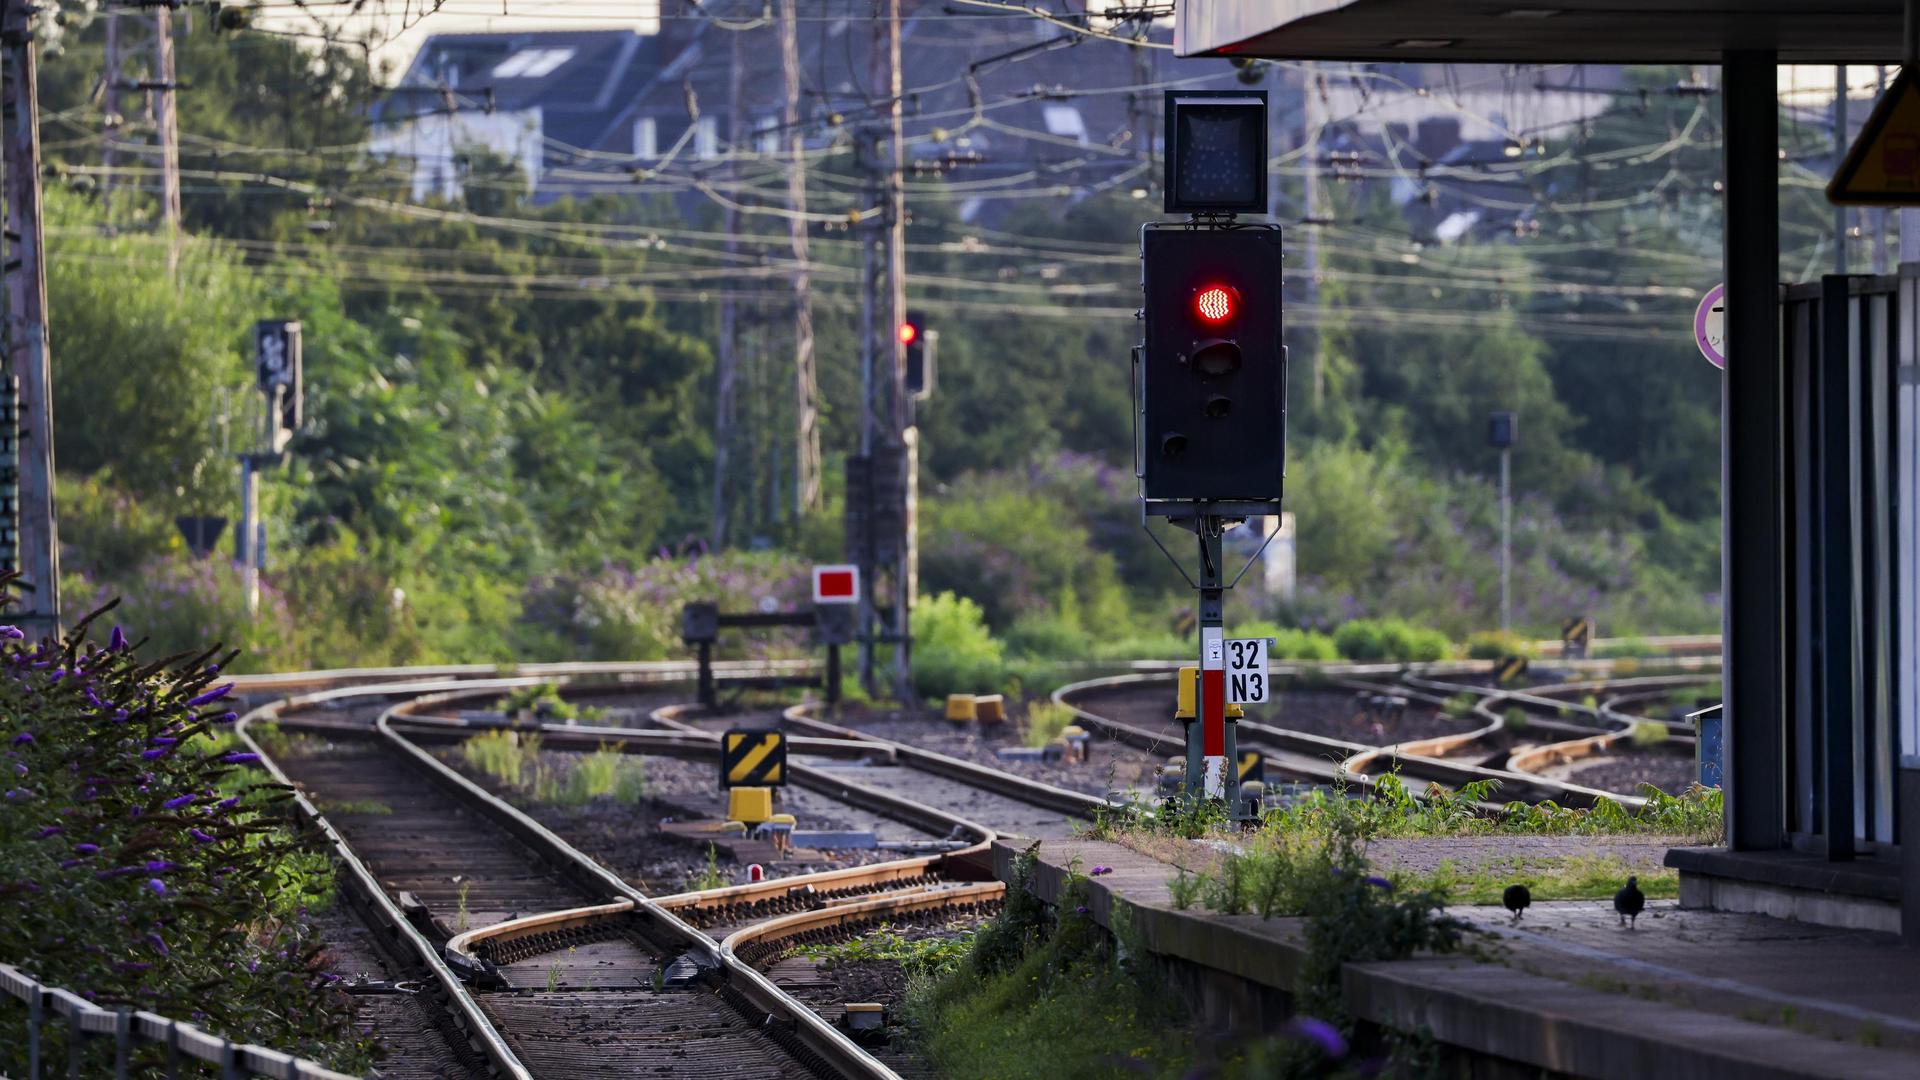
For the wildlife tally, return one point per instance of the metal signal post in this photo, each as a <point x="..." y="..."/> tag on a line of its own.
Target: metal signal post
<point x="1209" y="381"/>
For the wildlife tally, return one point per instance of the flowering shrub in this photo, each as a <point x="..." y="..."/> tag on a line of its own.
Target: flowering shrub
<point x="180" y="604"/>
<point x="622" y="613"/>
<point x="139" y="865"/>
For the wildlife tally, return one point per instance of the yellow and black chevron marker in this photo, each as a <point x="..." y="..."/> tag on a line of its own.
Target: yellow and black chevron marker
<point x="1577" y="635"/>
<point x="753" y="759"/>
<point x="1509" y="668"/>
<point x="1253" y="766"/>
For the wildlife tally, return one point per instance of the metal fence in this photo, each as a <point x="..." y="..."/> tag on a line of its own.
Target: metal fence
<point x="85" y="1024"/>
<point x="1849" y="350"/>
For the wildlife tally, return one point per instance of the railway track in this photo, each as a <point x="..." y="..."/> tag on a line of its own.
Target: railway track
<point x="503" y="949"/>
<point x="542" y="963"/>
<point x="1129" y="709"/>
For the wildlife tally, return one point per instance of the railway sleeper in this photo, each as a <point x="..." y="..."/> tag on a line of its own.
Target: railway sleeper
<point x="514" y="950"/>
<point x="797" y="900"/>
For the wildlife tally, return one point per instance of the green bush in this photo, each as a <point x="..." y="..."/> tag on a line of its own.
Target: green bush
<point x="952" y="651"/>
<point x="1494" y="644"/>
<point x="1049" y="635"/>
<point x="139" y="862"/>
<point x="1289" y="643"/>
<point x="1390" y="639"/>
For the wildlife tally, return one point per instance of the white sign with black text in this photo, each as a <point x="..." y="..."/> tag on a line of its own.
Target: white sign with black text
<point x="1247" y="670"/>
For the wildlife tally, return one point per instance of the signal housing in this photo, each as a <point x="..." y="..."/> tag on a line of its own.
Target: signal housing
<point x="1212" y="391"/>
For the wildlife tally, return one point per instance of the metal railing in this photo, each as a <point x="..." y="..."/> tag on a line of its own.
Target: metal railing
<point x="86" y="1024"/>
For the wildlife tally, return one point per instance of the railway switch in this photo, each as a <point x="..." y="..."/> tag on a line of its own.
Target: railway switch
<point x="749" y="805"/>
<point x="962" y="708"/>
<point x="990" y="709"/>
<point x="753" y="758"/>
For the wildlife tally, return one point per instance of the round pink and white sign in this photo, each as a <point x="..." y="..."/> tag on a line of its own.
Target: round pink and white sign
<point x="1710" y="326"/>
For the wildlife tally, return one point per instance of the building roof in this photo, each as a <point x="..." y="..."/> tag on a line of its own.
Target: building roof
<point x="1533" y="31"/>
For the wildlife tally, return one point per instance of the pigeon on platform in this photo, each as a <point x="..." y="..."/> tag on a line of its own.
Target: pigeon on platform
<point x="1630" y="902"/>
<point x="1516" y="899"/>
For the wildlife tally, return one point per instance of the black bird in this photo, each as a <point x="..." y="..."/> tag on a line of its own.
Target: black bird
<point x="1516" y="899"/>
<point x="1630" y="902"/>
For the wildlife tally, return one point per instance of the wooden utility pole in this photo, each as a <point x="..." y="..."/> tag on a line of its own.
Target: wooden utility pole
<point x="30" y="490"/>
<point x="110" y="111"/>
<point x="726" y="358"/>
<point x="166" y="125"/>
<point x="899" y="405"/>
<point x="806" y="387"/>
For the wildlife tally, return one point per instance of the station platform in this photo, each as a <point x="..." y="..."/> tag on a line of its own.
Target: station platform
<point x="1567" y="990"/>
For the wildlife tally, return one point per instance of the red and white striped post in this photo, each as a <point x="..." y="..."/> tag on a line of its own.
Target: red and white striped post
<point x="1213" y="713"/>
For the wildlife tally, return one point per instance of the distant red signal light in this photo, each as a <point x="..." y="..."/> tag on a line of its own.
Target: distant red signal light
<point x="908" y="332"/>
<point x="1215" y="304"/>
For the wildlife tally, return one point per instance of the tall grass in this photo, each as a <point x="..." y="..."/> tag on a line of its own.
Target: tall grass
<point x="1045" y="721"/>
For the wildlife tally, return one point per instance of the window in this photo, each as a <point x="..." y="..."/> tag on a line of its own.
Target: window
<point x="766" y="135"/>
<point x="1065" y="121"/>
<point x="532" y="63"/>
<point x="646" y="138"/>
<point x="706" y="139"/>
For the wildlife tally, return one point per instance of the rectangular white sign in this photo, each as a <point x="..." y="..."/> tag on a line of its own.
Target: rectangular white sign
<point x="1247" y="671"/>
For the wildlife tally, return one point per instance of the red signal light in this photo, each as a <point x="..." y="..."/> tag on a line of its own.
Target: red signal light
<point x="1216" y="304"/>
<point x="908" y="332"/>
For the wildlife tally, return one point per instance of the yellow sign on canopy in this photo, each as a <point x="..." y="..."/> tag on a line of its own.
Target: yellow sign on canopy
<point x="1882" y="168"/>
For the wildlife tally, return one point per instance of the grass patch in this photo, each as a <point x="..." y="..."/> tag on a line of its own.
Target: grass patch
<point x="1043" y="993"/>
<point x="1045" y="721"/>
<point x="371" y="807"/>
<point x="710" y="876"/>
<point x="514" y="759"/>
<point x="918" y="957"/>
<point x="1571" y="877"/>
<point x="1647" y="734"/>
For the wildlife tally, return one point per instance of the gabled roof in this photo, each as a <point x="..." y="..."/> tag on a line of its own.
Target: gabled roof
<point x="574" y="77"/>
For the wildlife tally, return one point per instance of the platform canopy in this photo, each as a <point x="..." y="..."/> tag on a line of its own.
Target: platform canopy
<point x="1541" y="31"/>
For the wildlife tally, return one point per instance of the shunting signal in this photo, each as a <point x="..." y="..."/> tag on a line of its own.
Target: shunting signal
<point x="1253" y="766"/>
<point x="1576" y="635"/>
<point x="753" y="758"/>
<point x="1509" y="669"/>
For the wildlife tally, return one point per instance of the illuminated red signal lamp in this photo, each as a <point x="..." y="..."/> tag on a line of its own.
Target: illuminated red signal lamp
<point x="1215" y="305"/>
<point x="908" y="333"/>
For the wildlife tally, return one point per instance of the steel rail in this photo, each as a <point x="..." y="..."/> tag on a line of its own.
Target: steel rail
<point x="834" y="1048"/>
<point x="467" y="1013"/>
<point x="1351" y="767"/>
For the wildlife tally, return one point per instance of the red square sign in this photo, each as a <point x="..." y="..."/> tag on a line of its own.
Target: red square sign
<point x="836" y="584"/>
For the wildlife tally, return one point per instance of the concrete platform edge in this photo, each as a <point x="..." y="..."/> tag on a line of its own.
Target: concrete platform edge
<point x="1480" y="1008"/>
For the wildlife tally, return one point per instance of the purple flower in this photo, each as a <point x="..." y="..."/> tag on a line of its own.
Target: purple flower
<point x="228" y="804"/>
<point x="23" y="738"/>
<point x="237" y="758"/>
<point x="118" y="871"/>
<point x="178" y="801"/>
<point x="163" y="740"/>
<point x="117" y="640"/>
<point x="205" y="838"/>
<point x="12" y="633"/>
<point x="159" y="944"/>
<point x="1080" y="910"/>
<point x="156" y="752"/>
<point x="1379" y="882"/>
<point x="1320" y="1033"/>
<point x="1099" y="870"/>
<point x="211" y="696"/>
<point x="159" y="887"/>
<point x="51" y="830"/>
<point x="86" y="849"/>
<point x="68" y="864"/>
<point x="159" y="866"/>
